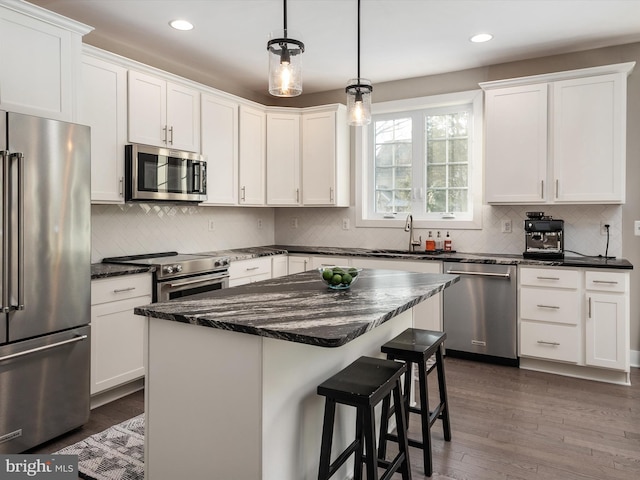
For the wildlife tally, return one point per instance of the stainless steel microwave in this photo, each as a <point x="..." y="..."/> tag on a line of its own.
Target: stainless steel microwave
<point x="163" y="174"/>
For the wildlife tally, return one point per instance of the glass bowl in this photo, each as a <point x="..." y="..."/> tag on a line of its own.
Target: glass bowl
<point x="339" y="278"/>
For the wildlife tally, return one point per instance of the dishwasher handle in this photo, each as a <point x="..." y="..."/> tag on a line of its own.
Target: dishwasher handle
<point x="480" y="274"/>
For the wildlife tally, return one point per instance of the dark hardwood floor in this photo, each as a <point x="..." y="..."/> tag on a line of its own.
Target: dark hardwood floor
<point x="507" y="424"/>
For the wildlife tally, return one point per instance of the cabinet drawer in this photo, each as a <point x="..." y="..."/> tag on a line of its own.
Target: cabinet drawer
<point x="121" y="287"/>
<point x="546" y="277"/>
<point x="606" y="281"/>
<point x="559" y="306"/>
<point x="552" y="342"/>
<point x="249" y="268"/>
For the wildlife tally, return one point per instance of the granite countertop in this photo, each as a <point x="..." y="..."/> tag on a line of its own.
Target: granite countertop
<point x="301" y="308"/>
<point x="462" y="257"/>
<point x="236" y="254"/>
<point x="105" y="270"/>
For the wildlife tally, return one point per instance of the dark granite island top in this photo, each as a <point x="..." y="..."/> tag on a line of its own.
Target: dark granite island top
<point x="236" y="397"/>
<point x="301" y="308"/>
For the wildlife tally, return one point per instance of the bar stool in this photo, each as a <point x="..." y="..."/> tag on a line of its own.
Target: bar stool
<point x="363" y="385"/>
<point x="418" y="346"/>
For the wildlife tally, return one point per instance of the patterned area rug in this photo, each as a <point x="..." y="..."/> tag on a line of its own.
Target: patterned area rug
<point x="114" y="454"/>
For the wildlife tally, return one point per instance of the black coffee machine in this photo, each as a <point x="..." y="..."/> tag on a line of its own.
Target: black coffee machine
<point x="543" y="237"/>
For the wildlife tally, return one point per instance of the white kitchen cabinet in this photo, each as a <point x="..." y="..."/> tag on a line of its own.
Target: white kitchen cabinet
<point x="297" y="264"/>
<point x="283" y="158"/>
<point x="163" y="113"/>
<point x="252" y="164"/>
<point x="117" y="335"/>
<point x="219" y="145"/>
<point x="516" y="144"/>
<point x="589" y="125"/>
<point x="325" y="156"/>
<point x="607" y="320"/>
<point x="557" y="138"/>
<point x="103" y="106"/>
<point x="328" y="261"/>
<point x="575" y="322"/>
<point x="426" y="315"/>
<point x="252" y="270"/>
<point x="40" y="57"/>
<point x="279" y="266"/>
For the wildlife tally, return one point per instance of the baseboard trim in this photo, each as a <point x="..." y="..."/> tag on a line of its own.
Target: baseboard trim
<point x="115" y="393"/>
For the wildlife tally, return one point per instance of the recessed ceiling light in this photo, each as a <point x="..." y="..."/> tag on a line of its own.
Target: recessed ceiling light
<point x="181" y="24"/>
<point x="481" y="37"/>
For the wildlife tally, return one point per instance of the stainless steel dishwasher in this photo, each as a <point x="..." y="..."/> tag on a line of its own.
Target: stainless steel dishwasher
<point x="480" y="312"/>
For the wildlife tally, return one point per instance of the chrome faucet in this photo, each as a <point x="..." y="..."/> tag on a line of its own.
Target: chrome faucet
<point x="413" y="243"/>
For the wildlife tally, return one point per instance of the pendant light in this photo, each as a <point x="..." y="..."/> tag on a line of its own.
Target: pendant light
<point x="285" y="62"/>
<point x="359" y="94"/>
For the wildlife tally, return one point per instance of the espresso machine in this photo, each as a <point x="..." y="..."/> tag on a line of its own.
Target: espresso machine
<point x="543" y="237"/>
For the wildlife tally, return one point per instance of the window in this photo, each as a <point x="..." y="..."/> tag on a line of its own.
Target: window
<point x="422" y="157"/>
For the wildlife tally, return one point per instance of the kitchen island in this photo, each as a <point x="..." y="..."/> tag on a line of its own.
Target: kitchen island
<point x="232" y="376"/>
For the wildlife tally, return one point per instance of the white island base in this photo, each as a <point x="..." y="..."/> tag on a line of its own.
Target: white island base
<point x="223" y="405"/>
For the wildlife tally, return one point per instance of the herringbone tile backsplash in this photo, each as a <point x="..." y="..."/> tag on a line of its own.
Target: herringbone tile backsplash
<point x="144" y="228"/>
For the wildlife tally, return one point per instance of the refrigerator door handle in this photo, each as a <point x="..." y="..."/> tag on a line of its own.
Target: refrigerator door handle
<point x="4" y="306"/>
<point x="20" y="158"/>
<point x="44" y="347"/>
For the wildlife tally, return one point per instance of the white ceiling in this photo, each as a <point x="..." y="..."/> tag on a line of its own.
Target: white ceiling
<point x="399" y="38"/>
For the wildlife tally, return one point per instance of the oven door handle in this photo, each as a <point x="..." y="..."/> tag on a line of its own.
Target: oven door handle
<point x="195" y="282"/>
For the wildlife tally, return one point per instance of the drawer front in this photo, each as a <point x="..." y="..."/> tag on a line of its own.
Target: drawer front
<point x="549" y="305"/>
<point x="548" y="277"/>
<point x="606" y="281"/>
<point x="551" y="342"/>
<point x="249" y="268"/>
<point x="121" y="287"/>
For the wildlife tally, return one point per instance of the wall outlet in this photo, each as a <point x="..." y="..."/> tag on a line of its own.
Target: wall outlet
<point x="293" y="222"/>
<point x="636" y="228"/>
<point x="346" y="224"/>
<point x="259" y="224"/>
<point x="506" y="225"/>
<point x="603" y="229"/>
<point x="212" y="225"/>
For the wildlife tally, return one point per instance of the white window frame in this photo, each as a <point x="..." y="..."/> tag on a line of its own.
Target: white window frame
<point x="364" y="192"/>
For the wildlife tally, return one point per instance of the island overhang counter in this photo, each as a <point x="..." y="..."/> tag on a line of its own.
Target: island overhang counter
<point x="231" y="377"/>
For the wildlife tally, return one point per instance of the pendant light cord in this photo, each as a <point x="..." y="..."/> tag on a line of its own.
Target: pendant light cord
<point x="358" y="41"/>
<point x="285" y="18"/>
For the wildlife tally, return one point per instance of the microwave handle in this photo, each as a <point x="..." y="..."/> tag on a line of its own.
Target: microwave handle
<point x="203" y="178"/>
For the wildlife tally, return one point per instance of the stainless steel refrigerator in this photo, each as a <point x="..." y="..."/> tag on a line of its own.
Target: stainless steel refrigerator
<point x="45" y="277"/>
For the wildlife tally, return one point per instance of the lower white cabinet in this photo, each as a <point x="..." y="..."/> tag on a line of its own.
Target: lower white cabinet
<point x="117" y="335"/>
<point x="578" y="317"/>
<point x="279" y="266"/>
<point x="298" y="264"/>
<point x="252" y="270"/>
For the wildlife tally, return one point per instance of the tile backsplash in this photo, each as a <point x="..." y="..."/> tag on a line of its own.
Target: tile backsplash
<point x="323" y="227"/>
<point x="143" y="228"/>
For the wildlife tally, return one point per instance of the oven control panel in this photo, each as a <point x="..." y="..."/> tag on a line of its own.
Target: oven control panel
<point x="169" y="269"/>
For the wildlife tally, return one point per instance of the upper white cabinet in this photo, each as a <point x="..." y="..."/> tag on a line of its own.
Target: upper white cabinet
<point x="219" y="137"/>
<point x="283" y="158"/>
<point x="252" y="155"/>
<point x="325" y="156"/>
<point x="557" y="138"/>
<point x="103" y="106"/>
<point x="162" y="113"/>
<point x="40" y="58"/>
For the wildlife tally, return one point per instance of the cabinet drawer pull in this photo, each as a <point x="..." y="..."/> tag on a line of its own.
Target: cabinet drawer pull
<point x="542" y="189"/>
<point x="607" y="282"/>
<point x="554" y="344"/>
<point x="248" y="269"/>
<point x="589" y="307"/>
<point x="121" y="290"/>
<point x="548" y="306"/>
<point x="548" y="278"/>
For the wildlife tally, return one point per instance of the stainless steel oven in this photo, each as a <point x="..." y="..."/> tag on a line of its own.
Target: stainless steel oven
<point x="162" y="174"/>
<point x="181" y="275"/>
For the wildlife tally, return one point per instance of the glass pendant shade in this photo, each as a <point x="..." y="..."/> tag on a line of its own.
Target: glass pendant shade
<point x="285" y="65"/>
<point x="359" y="101"/>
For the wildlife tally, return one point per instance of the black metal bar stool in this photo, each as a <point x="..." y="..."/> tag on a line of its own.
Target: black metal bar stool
<point x="363" y="385"/>
<point x="418" y="346"/>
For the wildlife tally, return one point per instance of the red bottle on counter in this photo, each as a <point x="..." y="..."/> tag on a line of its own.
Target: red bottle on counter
<point x="447" y="243"/>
